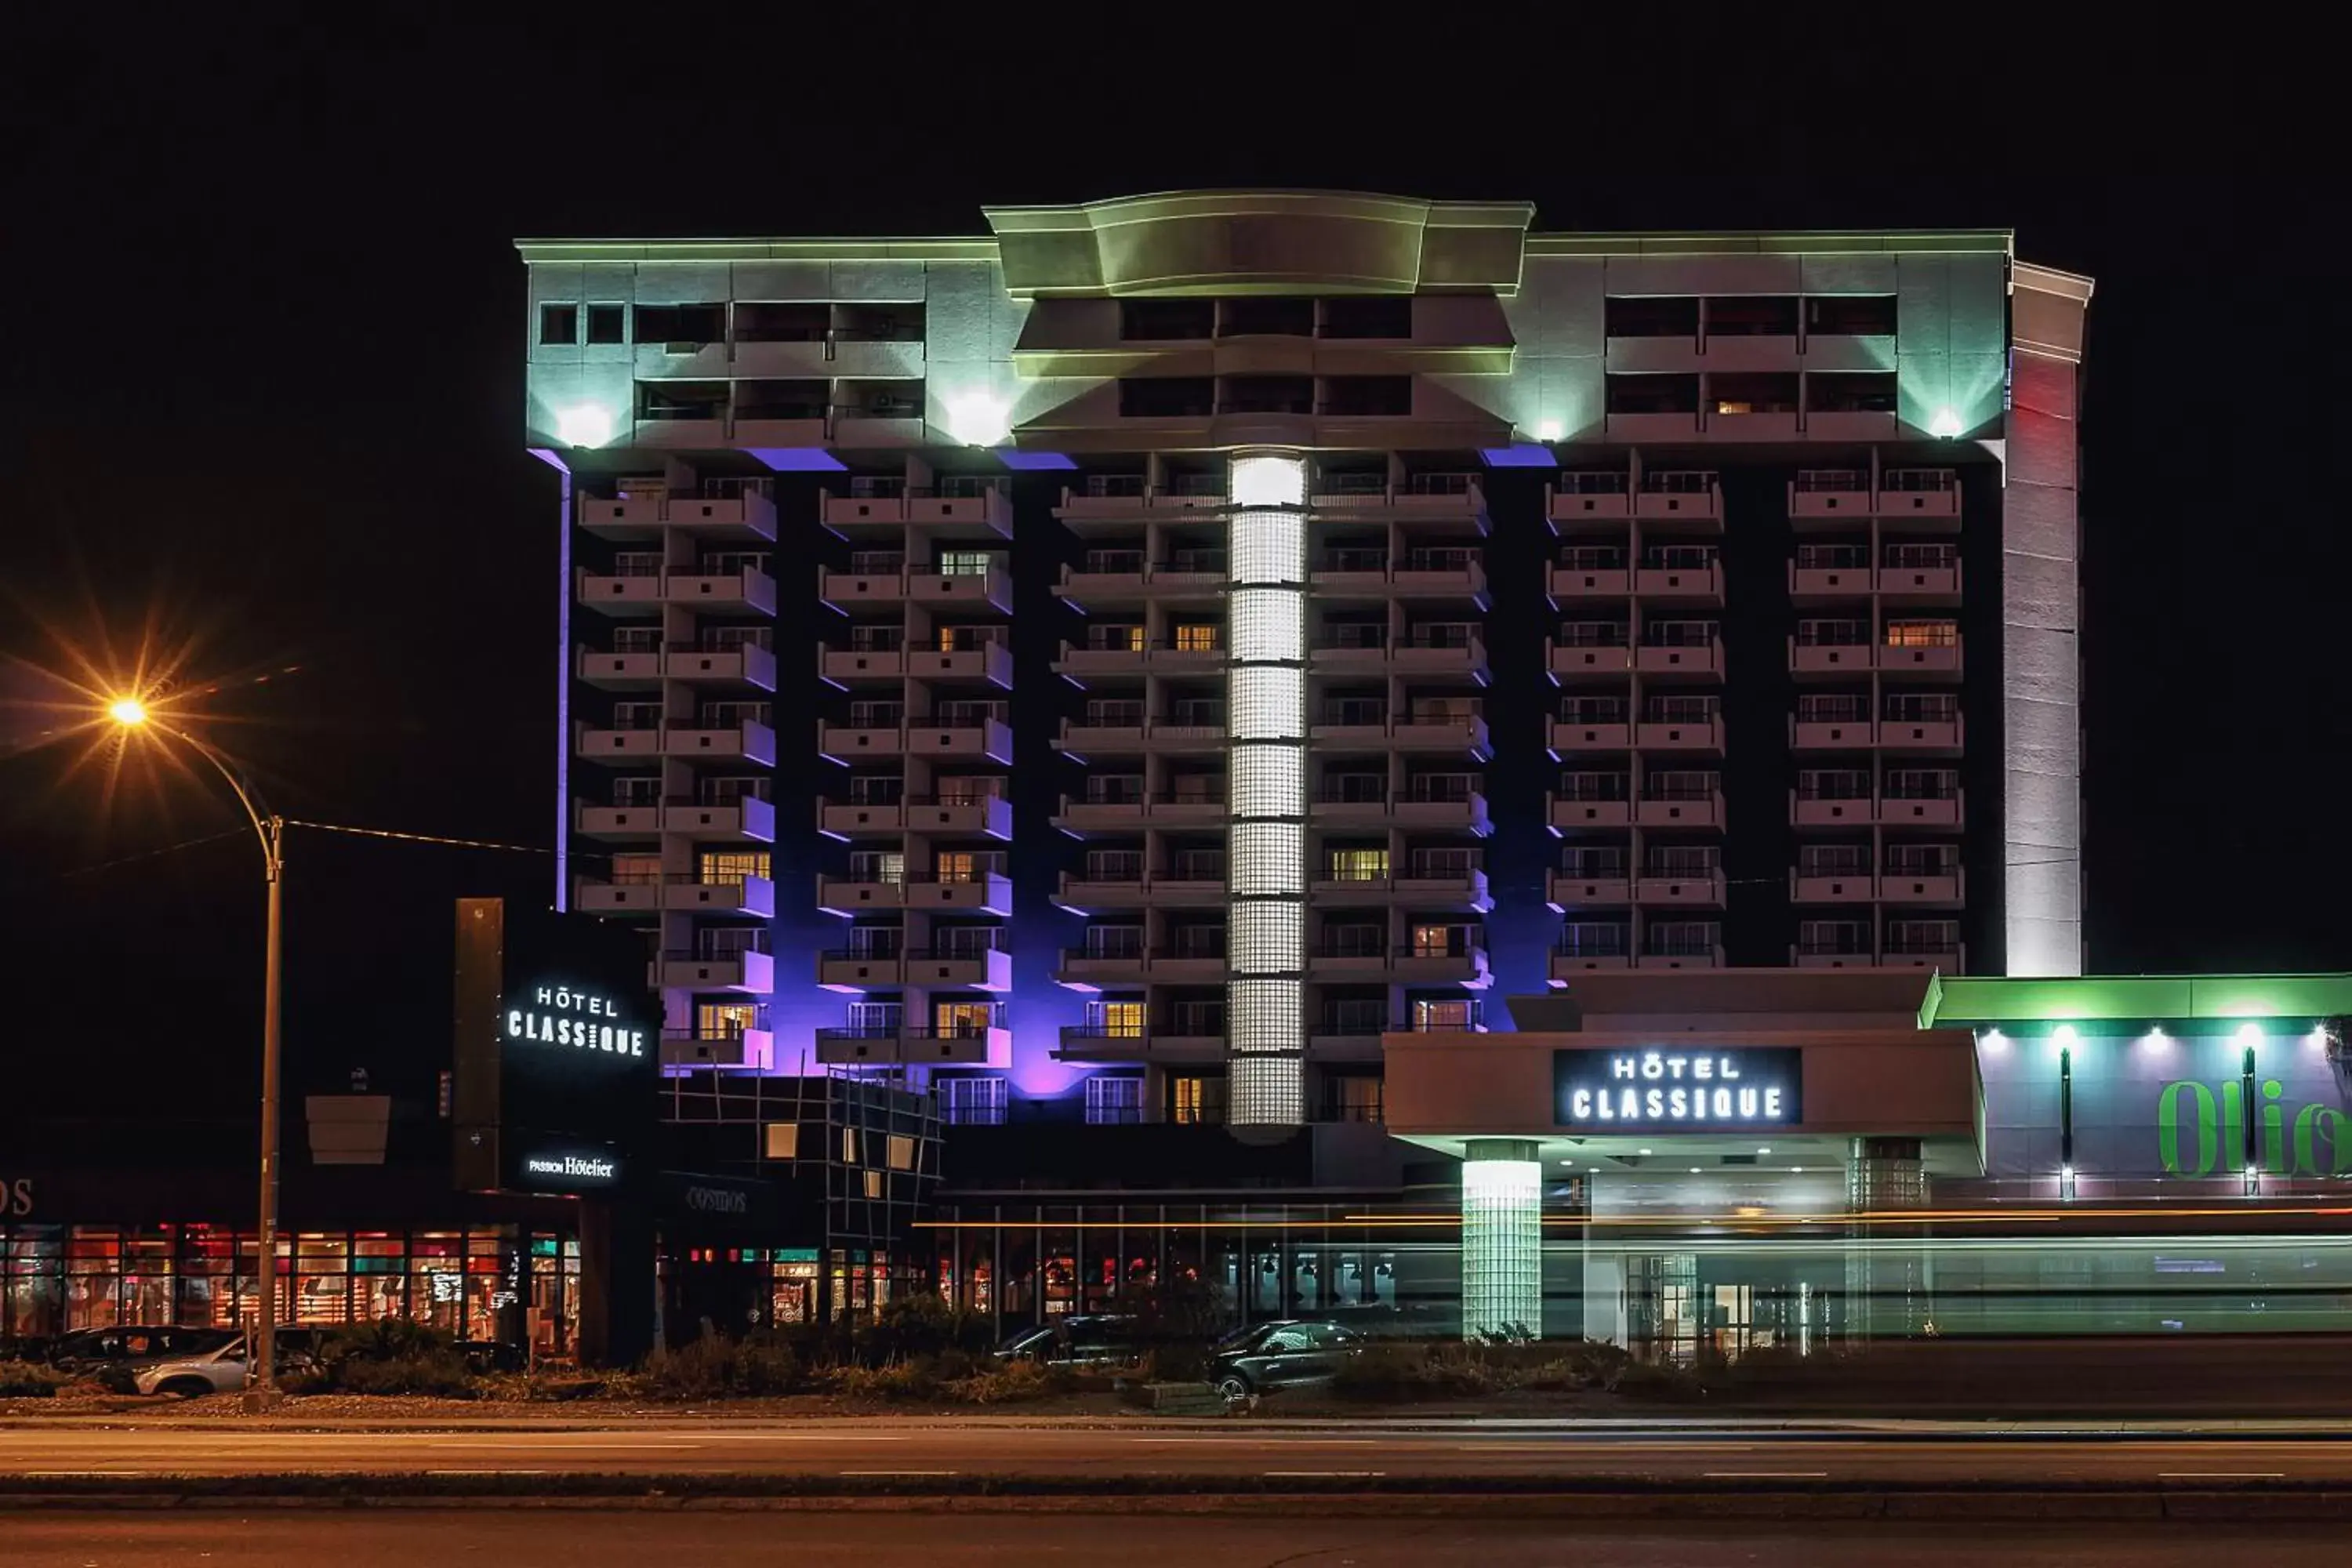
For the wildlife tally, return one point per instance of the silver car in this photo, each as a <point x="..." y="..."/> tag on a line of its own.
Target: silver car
<point x="221" y="1369"/>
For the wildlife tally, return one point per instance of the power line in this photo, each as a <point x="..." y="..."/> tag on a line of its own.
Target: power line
<point x="419" y="837"/>
<point x="151" y="854"/>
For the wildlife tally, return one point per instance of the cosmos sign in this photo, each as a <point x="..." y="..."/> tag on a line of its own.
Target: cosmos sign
<point x="1722" y="1090"/>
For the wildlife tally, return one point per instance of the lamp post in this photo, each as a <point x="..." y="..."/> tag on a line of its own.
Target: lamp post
<point x="132" y="715"/>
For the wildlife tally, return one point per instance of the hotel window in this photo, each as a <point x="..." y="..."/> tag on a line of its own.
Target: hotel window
<point x="886" y="866"/>
<point x="1359" y="864"/>
<point x="1114" y="1101"/>
<point x="1434" y="1015"/>
<point x="1198" y="636"/>
<point x="607" y="323"/>
<point x="637" y="869"/>
<point x="636" y="791"/>
<point x="1193" y="1100"/>
<point x="1116" y="638"/>
<point x="961" y="865"/>
<point x="558" y="325"/>
<point x="900" y="1152"/>
<point x="849" y="1145"/>
<point x="1352" y="1096"/>
<point x="965" y="563"/>
<point x="1440" y="941"/>
<point x="962" y="1020"/>
<point x="1923" y="634"/>
<point x="784" y="1140"/>
<point x="876" y="1019"/>
<point x="1117" y="1020"/>
<point x="873" y="1183"/>
<point x="725" y="1020"/>
<point x="720" y="866"/>
<point x="971" y="1102"/>
<point x="969" y="791"/>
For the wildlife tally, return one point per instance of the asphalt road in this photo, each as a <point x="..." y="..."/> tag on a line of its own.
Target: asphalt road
<point x="937" y="1540"/>
<point x="871" y="1450"/>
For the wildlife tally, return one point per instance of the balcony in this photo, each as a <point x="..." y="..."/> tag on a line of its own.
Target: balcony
<point x="1457" y="733"/>
<point x="630" y="594"/>
<point x="1179" y="1043"/>
<point x="597" y="744"/>
<point x="959" y="739"/>
<point x="1702" y="890"/>
<point x="1586" y="945"/>
<point x="1600" y="885"/>
<point x="854" y="895"/>
<point x="1576" y="809"/>
<point x="606" y="671"/>
<point x="1852" y="954"/>
<point x="1699" y="584"/>
<point x="1687" y="496"/>
<point x="747" y="819"/>
<point x="616" y="822"/>
<point x="1936" y="736"/>
<point x="1431" y="498"/>
<point x="1700" y="658"/>
<point x="1833" y="806"/>
<point x="1935" y="809"/>
<point x="1830" y="574"/>
<point x="747" y="1048"/>
<point x="1082" y="893"/>
<point x="1432" y="578"/>
<point x="1456" y="813"/>
<point x="1437" y="652"/>
<point x="1680" y="808"/>
<point x="1084" y="970"/>
<point x="984" y="969"/>
<point x="748" y="742"/>
<point x="1822" y="651"/>
<point x="1828" y="883"/>
<point x="1938" y="887"/>
<point x="1437" y="886"/>
<point x="1831" y="734"/>
<point x="1425" y="965"/>
<point x="988" y="662"/>
<point x="850" y="590"/>
<point x="961" y="816"/>
<point x="1574" y="584"/>
<point x="1939" y="657"/>
<point x="745" y="592"/>
<point x="1573" y="735"/>
<point x="1588" y="498"/>
<point x="1681" y="955"/>
<point x="747" y="664"/>
<point x="745" y="897"/>
<point x="1835" y="493"/>
<point x="915" y="1046"/>
<point x="1083" y="738"/>
<point x="1160" y="657"/>
<point x="632" y="895"/>
<point x="1929" y="580"/>
<point x="1944" y="954"/>
<point x="937" y="590"/>
<point x="1925" y="494"/>
<point x="1697" y="736"/>
<point x="749" y="972"/>
<point x="1590" y="656"/>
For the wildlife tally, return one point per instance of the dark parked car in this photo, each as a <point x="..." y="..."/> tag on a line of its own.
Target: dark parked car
<point x="1099" y="1339"/>
<point x="129" y="1344"/>
<point x="1282" y="1355"/>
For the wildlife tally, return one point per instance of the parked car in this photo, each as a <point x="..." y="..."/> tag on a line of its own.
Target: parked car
<point x="1282" y="1355"/>
<point x="1096" y="1339"/>
<point x="131" y="1344"/>
<point x="222" y="1369"/>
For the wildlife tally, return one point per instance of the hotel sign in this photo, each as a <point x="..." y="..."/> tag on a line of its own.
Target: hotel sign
<point x="1725" y="1089"/>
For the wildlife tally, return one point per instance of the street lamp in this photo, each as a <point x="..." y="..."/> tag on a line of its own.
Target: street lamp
<point x="133" y="716"/>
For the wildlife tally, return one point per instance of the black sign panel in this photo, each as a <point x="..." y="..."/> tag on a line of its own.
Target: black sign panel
<point x="559" y="1050"/>
<point x="1678" y="1089"/>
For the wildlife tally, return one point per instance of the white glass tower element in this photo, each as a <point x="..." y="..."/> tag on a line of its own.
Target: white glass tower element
<point x="1266" y="889"/>
<point x="1502" y="1239"/>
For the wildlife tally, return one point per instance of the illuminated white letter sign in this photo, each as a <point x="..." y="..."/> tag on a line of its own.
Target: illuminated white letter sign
<point x="1671" y="1088"/>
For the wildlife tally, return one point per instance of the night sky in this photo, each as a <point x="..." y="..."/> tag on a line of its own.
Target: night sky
<point x="263" y="390"/>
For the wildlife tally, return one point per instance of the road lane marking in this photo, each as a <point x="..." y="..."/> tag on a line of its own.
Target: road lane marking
<point x="62" y="1474"/>
<point x="485" y="1472"/>
<point x="536" y="1447"/>
<point x="2221" y="1475"/>
<point x="1765" y="1476"/>
<point x="1324" y="1475"/>
<point x="1281" y="1441"/>
<point x="898" y="1472"/>
<point x="1596" y="1450"/>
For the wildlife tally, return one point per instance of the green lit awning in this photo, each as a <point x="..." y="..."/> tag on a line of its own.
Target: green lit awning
<point x="1960" y="1001"/>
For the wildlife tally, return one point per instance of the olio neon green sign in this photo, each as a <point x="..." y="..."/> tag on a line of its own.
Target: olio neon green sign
<point x="2201" y="1131"/>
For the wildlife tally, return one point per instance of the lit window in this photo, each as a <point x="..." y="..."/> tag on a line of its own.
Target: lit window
<point x="849" y="1145"/>
<point x="964" y="562"/>
<point x="635" y="869"/>
<point x="962" y="1020"/>
<point x="1359" y="864"/>
<point x="958" y="865"/>
<point x="725" y="1020"/>
<point x="1190" y="1100"/>
<point x="901" y="1152"/>
<point x="1438" y="941"/>
<point x="1922" y="634"/>
<point x="784" y="1140"/>
<point x="873" y="1183"/>
<point x="1197" y="637"/>
<point x="1120" y="1020"/>
<point x="720" y="866"/>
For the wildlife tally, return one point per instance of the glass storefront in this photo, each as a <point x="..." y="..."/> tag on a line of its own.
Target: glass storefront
<point x="57" y="1280"/>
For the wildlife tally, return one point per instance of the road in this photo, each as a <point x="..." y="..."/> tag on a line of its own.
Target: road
<point x="870" y="1451"/>
<point x="903" y="1540"/>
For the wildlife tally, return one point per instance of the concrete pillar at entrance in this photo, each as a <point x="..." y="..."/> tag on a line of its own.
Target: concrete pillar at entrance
<point x="1885" y="1265"/>
<point x="1502" y="1239"/>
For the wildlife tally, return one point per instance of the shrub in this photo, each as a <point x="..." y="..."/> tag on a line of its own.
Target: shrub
<point x="392" y="1355"/>
<point x="1176" y="1363"/>
<point x="920" y="1324"/>
<point x="715" y="1367"/>
<point x="30" y="1380"/>
<point x="1010" y="1382"/>
<point x="1654" y="1380"/>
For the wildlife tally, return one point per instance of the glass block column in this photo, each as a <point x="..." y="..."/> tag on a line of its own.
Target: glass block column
<point x="1886" y="1283"/>
<point x="1502" y="1239"/>
<point x="1265" y="888"/>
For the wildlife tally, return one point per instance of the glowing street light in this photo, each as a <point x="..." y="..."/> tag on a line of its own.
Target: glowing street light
<point x="133" y="716"/>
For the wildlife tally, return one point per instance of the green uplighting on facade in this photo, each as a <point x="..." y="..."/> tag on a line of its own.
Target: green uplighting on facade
<point x="1960" y="1001"/>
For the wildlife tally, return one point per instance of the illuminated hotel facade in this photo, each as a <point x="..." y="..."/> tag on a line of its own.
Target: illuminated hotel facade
<point x="1181" y="660"/>
<point x="1135" y="660"/>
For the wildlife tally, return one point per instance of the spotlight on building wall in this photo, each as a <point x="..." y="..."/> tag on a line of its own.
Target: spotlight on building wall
<point x="1946" y="426"/>
<point x="2063" y="1038"/>
<point x="1549" y="430"/>
<point x="584" y="425"/>
<point x="2156" y="1039"/>
<point x="977" y="419"/>
<point x="2066" y="1182"/>
<point x="2317" y="1038"/>
<point x="1992" y="1042"/>
<point x="2250" y="1035"/>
